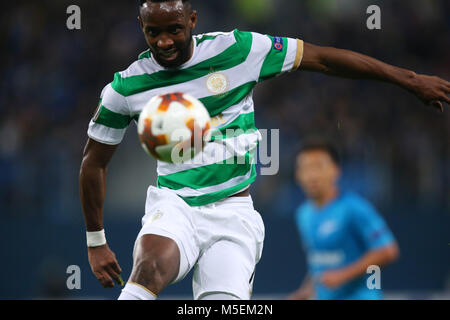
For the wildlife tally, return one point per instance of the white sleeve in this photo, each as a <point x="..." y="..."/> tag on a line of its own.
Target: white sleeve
<point x="111" y="118"/>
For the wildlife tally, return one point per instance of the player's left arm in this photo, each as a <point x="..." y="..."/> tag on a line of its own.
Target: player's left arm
<point x="431" y="90"/>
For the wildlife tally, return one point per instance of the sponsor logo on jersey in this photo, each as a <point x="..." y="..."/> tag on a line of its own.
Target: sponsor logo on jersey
<point x="326" y="258"/>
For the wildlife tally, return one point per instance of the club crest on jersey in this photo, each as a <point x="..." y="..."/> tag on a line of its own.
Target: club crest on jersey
<point x="278" y="43"/>
<point x="217" y="83"/>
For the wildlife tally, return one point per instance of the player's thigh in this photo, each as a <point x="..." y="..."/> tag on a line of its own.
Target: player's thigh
<point x="164" y="250"/>
<point x="168" y="217"/>
<point x="156" y="258"/>
<point x="225" y="267"/>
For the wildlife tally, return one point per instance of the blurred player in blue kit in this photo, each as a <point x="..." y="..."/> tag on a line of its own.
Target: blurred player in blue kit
<point x="342" y="233"/>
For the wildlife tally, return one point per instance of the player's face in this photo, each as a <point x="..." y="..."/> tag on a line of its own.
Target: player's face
<point x="316" y="172"/>
<point x="167" y="28"/>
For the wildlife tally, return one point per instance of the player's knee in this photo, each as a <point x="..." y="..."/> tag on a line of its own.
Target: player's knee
<point x="151" y="271"/>
<point x="155" y="266"/>
<point x="148" y="264"/>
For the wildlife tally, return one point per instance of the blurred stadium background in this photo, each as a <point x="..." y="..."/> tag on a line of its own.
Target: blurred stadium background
<point x="396" y="150"/>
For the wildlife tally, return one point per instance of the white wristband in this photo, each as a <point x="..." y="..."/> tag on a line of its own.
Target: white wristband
<point x="96" y="238"/>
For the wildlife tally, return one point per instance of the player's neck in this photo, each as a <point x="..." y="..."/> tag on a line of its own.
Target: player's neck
<point x="329" y="196"/>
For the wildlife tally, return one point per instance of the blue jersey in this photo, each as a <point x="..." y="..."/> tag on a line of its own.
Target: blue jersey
<point x="337" y="235"/>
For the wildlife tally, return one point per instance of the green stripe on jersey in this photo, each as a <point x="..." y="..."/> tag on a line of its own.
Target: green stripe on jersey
<point x="218" y="103"/>
<point x="245" y="123"/>
<point x="273" y="64"/>
<point x="218" y="195"/>
<point x="112" y="119"/>
<point x="205" y="37"/>
<point x="145" y="55"/>
<point x="209" y="175"/>
<point x="231" y="57"/>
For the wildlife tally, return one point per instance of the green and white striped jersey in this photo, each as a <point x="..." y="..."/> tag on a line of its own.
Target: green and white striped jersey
<point x="222" y="72"/>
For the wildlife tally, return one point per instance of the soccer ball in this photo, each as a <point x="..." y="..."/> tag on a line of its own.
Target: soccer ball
<point x="174" y="127"/>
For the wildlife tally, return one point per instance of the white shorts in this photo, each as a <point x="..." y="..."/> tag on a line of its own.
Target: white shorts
<point x="223" y="240"/>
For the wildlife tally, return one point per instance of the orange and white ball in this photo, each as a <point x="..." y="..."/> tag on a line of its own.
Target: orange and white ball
<point x="174" y="127"/>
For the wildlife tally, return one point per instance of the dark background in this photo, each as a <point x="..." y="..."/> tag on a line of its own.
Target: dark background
<point x="396" y="151"/>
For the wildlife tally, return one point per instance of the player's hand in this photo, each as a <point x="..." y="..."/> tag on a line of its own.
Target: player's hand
<point x="104" y="265"/>
<point x="431" y="90"/>
<point x="333" y="279"/>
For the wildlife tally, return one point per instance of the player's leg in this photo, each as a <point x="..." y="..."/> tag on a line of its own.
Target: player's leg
<point x="156" y="264"/>
<point x="165" y="249"/>
<point x="158" y="261"/>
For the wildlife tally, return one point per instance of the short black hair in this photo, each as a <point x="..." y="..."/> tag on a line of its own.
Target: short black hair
<point x="324" y="144"/>
<point x="141" y="2"/>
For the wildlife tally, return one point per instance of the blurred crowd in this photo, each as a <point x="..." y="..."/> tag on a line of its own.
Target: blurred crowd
<point x="396" y="151"/>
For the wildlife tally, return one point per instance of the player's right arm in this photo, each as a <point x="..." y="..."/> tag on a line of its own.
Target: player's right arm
<point x="96" y="157"/>
<point x="106" y="131"/>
